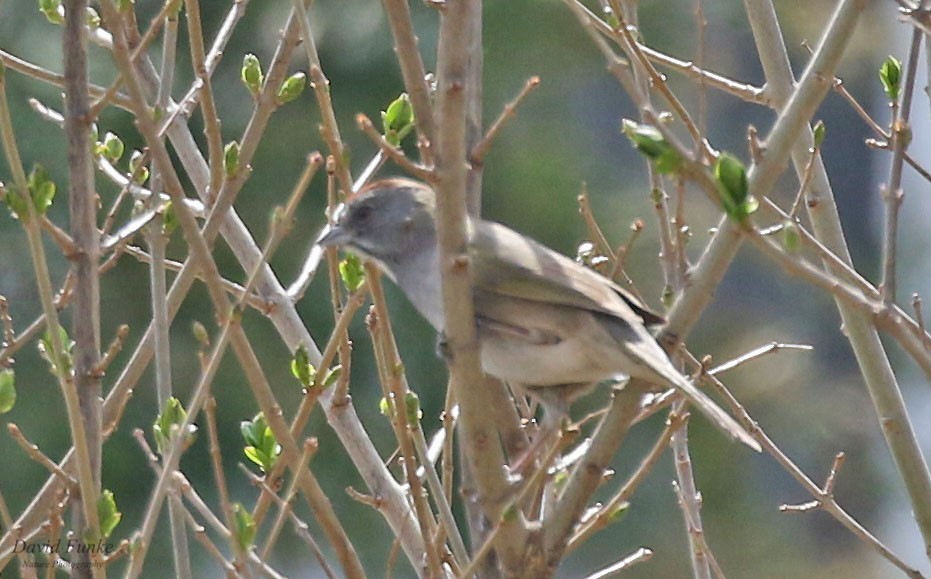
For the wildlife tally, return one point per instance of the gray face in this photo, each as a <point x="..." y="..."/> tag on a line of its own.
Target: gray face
<point x="389" y="224"/>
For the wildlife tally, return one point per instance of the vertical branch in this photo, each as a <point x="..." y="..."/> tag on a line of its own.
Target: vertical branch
<point x="479" y="438"/>
<point x="473" y="107"/>
<point x="82" y="206"/>
<point x="892" y="193"/>
<point x="161" y="324"/>
<point x="689" y="500"/>
<point x="822" y="210"/>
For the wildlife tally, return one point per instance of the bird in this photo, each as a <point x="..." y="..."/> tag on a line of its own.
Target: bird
<point x="545" y="323"/>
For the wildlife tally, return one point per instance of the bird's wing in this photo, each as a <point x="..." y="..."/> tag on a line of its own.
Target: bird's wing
<point x="500" y="265"/>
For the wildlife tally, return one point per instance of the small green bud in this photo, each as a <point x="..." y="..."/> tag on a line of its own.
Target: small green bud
<point x="53" y="11"/>
<point x="41" y="188"/>
<point x="510" y="514"/>
<point x="7" y="390"/>
<point x="107" y="513"/>
<point x="611" y="18"/>
<point x="351" y="272"/>
<point x="231" y="158"/>
<point x="137" y="168"/>
<point x="818" y="134"/>
<point x="122" y="5"/>
<point x="412" y="408"/>
<point x="169" y="219"/>
<point x="48" y="352"/>
<point x="92" y="18"/>
<point x="251" y="73"/>
<point x="398" y="119"/>
<point x="244" y="528"/>
<point x="262" y="447"/>
<point x="113" y="147"/>
<point x="200" y="334"/>
<point x="18" y="205"/>
<point x="301" y="367"/>
<point x="651" y="142"/>
<point x="175" y="8"/>
<point x="732" y="184"/>
<point x="292" y="87"/>
<point x="618" y="513"/>
<point x="668" y="296"/>
<point x="791" y="238"/>
<point x="167" y="424"/>
<point x="890" y="74"/>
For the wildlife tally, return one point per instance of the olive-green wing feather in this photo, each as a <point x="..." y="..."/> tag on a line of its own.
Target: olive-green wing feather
<point x="500" y="265"/>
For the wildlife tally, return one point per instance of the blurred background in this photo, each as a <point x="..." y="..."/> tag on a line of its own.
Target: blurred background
<point x="813" y="404"/>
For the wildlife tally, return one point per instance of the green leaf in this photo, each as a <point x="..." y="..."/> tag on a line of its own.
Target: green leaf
<point x="292" y="87"/>
<point x="167" y="424"/>
<point x="333" y="376"/>
<point x="251" y="73"/>
<point x="244" y="528"/>
<point x="398" y="119"/>
<point x="351" y="272"/>
<point x="7" y="390"/>
<point x="107" y="513"/>
<point x="731" y="176"/>
<point x="231" y="158"/>
<point x="301" y="367"/>
<point x="890" y="74"/>
<point x="651" y="142"/>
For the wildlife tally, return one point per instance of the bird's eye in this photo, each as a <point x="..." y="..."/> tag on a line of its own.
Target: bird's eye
<point x="362" y="214"/>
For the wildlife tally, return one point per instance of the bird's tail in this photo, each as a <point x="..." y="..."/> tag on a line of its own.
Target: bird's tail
<point x="724" y="421"/>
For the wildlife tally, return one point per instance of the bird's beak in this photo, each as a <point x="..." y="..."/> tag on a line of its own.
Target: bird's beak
<point x="332" y="235"/>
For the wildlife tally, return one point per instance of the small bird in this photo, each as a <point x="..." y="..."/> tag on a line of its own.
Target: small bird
<point x="544" y="322"/>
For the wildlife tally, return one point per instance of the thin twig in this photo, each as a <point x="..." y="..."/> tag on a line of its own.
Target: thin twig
<point x="477" y="156"/>
<point x="608" y="512"/>
<point x="37" y="455"/>
<point x="641" y="555"/>
<point x="771" y="348"/>
<point x="394" y="153"/>
<point x="116" y="345"/>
